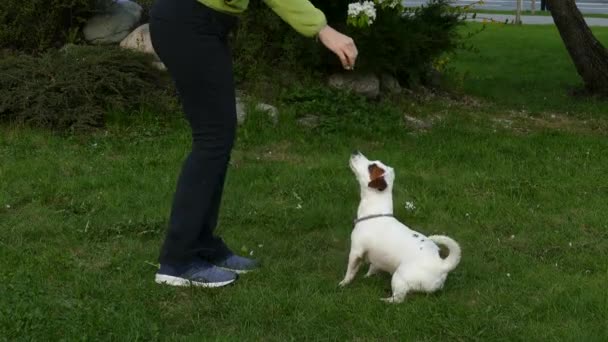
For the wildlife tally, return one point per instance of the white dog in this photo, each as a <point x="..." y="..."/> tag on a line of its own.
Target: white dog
<point x="388" y="245"/>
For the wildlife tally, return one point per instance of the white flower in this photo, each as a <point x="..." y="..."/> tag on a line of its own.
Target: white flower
<point x="410" y="205"/>
<point x="366" y="8"/>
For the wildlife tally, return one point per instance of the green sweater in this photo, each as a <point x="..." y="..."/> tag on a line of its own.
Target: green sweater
<point x="299" y="14"/>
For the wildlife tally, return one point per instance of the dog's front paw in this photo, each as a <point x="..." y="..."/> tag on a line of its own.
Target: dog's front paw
<point x="392" y="300"/>
<point x="389" y="300"/>
<point x="343" y="283"/>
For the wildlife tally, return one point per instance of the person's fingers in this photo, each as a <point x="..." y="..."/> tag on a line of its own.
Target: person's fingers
<point x="351" y="55"/>
<point x="343" y="58"/>
<point x="350" y="60"/>
<point x="351" y="52"/>
<point x="343" y="46"/>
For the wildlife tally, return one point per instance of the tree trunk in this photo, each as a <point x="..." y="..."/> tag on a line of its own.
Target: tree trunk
<point x="589" y="55"/>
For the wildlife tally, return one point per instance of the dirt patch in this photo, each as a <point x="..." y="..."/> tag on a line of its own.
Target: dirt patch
<point x="277" y="152"/>
<point x="523" y="122"/>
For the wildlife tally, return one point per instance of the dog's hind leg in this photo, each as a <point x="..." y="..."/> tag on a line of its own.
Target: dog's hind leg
<point x="372" y="270"/>
<point x="354" y="262"/>
<point x="399" y="285"/>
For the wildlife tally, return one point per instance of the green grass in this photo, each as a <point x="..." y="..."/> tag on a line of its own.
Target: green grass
<point x="538" y="12"/>
<point x="82" y="218"/>
<point x="525" y="68"/>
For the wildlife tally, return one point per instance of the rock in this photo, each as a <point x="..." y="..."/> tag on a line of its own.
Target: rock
<point x="159" y="65"/>
<point x="432" y="78"/>
<point x="272" y="111"/>
<point x="67" y="47"/>
<point x="114" y="24"/>
<point x="310" y="121"/>
<point x="505" y="123"/>
<point x="241" y="114"/>
<point x="417" y="123"/>
<point x="139" y="40"/>
<point x="389" y="84"/>
<point x="367" y="85"/>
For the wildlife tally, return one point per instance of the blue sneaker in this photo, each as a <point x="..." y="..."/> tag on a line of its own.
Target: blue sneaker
<point x="197" y="273"/>
<point x="237" y="264"/>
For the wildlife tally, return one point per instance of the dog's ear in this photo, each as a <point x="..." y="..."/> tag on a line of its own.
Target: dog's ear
<point x="376" y="176"/>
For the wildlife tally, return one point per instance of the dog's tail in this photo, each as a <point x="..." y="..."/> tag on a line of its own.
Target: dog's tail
<point x="453" y="258"/>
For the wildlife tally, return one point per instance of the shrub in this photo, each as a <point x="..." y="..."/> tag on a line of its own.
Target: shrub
<point x="403" y="44"/>
<point x="264" y="41"/>
<point x="406" y="43"/>
<point x="146" y="5"/>
<point x="36" y="25"/>
<point x="74" y="87"/>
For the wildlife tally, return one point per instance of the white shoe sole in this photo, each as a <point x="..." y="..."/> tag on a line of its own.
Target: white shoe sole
<point x="235" y="271"/>
<point x="177" y="281"/>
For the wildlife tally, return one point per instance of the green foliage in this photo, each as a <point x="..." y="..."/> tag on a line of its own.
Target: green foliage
<point x="337" y="110"/>
<point x="402" y="45"/>
<point x="36" y="25"/>
<point x="264" y="41"/>
<point x="406" y="46"/>
<point x="146" y="5"/>
<point x="75" y="87"/>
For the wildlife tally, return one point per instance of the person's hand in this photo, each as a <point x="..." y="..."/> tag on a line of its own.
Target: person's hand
<point x="343" y="46"/>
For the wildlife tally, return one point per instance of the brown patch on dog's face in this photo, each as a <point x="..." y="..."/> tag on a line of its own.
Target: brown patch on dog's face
<point x="376" y="176"/>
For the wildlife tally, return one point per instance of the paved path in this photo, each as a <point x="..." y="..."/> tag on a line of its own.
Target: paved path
<point x="533" y="19"/>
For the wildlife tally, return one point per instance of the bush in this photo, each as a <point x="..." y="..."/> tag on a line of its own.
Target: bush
<point x="36" y="25"/>
<point x="404" y="46"/>
<point x="263" y="41"/>
<point x="146" y="5"/>
<point x="74" y="87"/>
<point x="407" y="44"/>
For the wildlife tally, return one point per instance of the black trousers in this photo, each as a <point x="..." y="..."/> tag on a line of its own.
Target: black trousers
<point x="191" y="40"/>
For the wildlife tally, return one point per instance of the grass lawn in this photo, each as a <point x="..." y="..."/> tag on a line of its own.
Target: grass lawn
<point x="526" y="68"/>
<point x="82" y="216"/>
<point x="538" y="12"/>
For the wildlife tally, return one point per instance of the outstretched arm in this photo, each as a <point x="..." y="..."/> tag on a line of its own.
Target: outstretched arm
<point x="309" y="21"/>
<point x="303" y="16"/>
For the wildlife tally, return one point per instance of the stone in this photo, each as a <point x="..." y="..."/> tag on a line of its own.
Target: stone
<point x="272" y="111"/>
<point x="241" y="114"/>
<point x="310" y="121"/>
<point x="114" y="24"/>
<point x="389" y="84"/>
<point x="417" y="123"/>
<point x="139" y="40"/>
<point x="367" y="85"/>
<point x="433" y="78"/>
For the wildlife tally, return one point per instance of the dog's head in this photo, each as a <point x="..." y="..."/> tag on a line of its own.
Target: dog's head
<point x="373" y="175"/>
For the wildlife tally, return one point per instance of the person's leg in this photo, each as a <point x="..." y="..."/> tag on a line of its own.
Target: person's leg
<point x="210" y="246"/>
<point x="204" y="81"/>
<point x="192" y="46"/>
